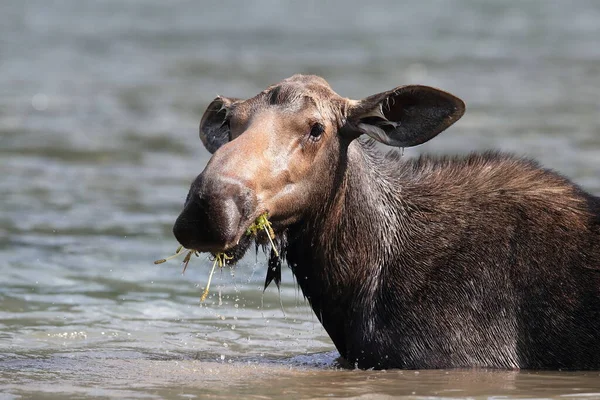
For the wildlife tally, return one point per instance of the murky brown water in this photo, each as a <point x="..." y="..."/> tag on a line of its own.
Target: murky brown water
<point x="73" y="376"/>
<point x="99" y="107"/>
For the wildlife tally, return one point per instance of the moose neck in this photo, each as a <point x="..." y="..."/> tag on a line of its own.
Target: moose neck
<point x="338" y="254"/>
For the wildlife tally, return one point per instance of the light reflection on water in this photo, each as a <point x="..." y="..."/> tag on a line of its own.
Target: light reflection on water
<point x="99" y="107"/>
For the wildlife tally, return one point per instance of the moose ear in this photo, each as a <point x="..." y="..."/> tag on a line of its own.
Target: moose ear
<point x="214" y="125"/>
<point x="403" y="117"/>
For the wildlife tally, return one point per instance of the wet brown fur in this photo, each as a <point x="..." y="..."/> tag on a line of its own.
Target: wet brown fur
<point x="486" y="260"/>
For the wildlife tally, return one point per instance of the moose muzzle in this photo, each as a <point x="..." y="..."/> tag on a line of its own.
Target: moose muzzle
<point x="216" y="213"/>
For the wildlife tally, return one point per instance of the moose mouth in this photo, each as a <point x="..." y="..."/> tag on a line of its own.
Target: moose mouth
<point x="236" y="253"/>
<point x="264" y="234"/>
<point x="224" y="219"/>
<point x="261" y="232"/>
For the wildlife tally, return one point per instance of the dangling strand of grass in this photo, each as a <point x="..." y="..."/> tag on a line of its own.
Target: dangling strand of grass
<point x="262" y="223"/>
<point x="180" y="250"/>
<point x="187" y="259"/>
<point x="220" y="259"/>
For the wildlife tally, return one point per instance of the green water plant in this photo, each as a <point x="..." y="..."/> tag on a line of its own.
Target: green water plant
<point x="260" y="224"/>
<point x="219" y="259"/>
<point x="180" y="250"/>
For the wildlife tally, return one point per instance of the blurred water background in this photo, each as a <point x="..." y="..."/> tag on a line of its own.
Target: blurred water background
<point x="99" y="108"/>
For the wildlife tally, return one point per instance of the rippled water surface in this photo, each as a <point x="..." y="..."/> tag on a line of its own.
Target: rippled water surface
<point x="99" y="107"/>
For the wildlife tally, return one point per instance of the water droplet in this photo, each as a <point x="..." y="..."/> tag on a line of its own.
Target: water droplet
<point x="39" y="102"/>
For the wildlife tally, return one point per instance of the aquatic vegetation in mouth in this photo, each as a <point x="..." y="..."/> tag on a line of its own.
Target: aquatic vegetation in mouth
<point x="220" y="260"/>
<point x="262" y="224"/>
<point x="274" y="265"/>
<point x="180" y="250"/>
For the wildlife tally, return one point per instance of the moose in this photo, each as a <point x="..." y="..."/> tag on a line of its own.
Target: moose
<point x="486" y="260"/>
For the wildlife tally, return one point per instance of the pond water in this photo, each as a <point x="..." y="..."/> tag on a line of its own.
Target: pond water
<point x="99" y="108"/>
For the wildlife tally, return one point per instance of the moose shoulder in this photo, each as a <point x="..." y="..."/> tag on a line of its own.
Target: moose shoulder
<point x="487" y="260"/>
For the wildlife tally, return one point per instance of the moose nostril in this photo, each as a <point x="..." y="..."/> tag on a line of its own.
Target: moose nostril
<point x="181" y="233"/>
<point x="184" y="229"/>
<point x="212" y="223"/>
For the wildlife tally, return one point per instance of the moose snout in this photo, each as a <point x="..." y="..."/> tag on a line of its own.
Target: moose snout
<point x="215" y="214"/>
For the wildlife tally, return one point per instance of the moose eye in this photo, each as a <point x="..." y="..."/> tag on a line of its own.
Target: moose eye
<point x="316" y="131"/>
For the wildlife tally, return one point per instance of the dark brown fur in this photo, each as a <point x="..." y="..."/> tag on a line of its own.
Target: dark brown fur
<point x="487" y="260"/>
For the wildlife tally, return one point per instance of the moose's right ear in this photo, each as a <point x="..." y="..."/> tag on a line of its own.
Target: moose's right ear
<point x="214" y="125"/>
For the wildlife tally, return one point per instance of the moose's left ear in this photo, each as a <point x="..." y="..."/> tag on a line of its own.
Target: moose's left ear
<point x="403" y="117"/>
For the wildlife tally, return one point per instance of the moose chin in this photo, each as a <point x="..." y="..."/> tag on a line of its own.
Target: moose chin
<point x="487" y="260"/>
